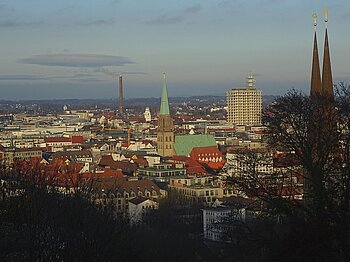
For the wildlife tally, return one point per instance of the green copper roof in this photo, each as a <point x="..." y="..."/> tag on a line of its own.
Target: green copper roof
<point x="164" y="104"/>
<point x="184" y="144"/>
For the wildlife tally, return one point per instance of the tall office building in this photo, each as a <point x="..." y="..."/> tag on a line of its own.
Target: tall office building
<point x="244" y="105"/>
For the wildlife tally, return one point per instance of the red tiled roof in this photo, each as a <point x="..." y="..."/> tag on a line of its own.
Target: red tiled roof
<point x="56" y="139"/>
<point x="204" y="154"/>
<point x="122" y="184"/>
<point x="77" y="139"/>
<point x="213" y="151"/>
<point x="216" y="165"/>
<point x="192" y="166"/>
<point x="108" y="172"/>
<point x="126" y="167"/>
<point x="141" y="162"/>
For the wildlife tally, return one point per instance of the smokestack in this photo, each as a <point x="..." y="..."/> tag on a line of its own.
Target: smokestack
<point x="120" y="94"/>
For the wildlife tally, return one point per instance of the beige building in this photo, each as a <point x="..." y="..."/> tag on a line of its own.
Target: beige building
<point x="244" y="105"/>
<point x="9" y="154"/>
<point x="205" y="189"/>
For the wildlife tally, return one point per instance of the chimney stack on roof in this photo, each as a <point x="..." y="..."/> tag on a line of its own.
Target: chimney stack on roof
<point x="120" y="94"/>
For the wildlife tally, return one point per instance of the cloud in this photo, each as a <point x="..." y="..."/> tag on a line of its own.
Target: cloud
<point x="81" y="77"/>
<point x="22" y="77"/>
<point x="165" y="19"/>
<point x="346" y="15"/>
<point x="225" y="3"/>
<point x="134" y="73"/>
<point x="114" y="73"/>
<point x="20" y="24"/>
<point x="77" y="60"/>
<point x="97" y="22"/>
<point x="87" y="79"/>
<point x="193" y="8"/>
<point x="67" y="8"/>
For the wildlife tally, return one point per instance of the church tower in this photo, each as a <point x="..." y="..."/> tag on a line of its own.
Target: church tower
<point x="322" y="126"/>
<point x="327" y="80"/>
<point x="165" y="136"/>
<point x="316" y="86"/>
<point x="324" y="87"/>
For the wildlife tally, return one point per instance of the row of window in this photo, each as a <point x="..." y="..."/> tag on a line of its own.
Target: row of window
<point x="166" y="146"/>
<point x="167" y="138"/>
<point x="126" y="195"/>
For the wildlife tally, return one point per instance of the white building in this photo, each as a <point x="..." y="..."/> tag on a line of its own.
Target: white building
<point x="224" y="221"/>
<point x="147" y="114"/>
<point x="244" y="105"/>
<point x="139" y="207"/>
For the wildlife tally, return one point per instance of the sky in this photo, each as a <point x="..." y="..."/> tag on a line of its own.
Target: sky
<point x="77" y="48"/>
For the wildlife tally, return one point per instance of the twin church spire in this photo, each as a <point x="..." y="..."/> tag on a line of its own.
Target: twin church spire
<point x="322" y="87"/>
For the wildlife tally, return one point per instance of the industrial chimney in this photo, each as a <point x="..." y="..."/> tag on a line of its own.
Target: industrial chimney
<point x="120" y="94"/>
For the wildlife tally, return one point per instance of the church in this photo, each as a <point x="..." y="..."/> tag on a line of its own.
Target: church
<point x="201" y="147"/>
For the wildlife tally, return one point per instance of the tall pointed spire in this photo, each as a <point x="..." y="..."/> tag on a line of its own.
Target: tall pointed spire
<point x="327" y="81"/>
<point x="316" y="86"/>
<point x="164" y="105"/>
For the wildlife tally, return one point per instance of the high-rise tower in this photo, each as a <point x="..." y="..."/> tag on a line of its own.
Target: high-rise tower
<point x="244" y="105"/>
<point x="165" y="136"/>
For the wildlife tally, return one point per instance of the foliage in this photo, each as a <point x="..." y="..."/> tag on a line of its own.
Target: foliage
<point x="314" y="134"/>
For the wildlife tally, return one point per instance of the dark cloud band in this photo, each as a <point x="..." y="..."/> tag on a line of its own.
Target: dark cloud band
<point x="77" y="60"/>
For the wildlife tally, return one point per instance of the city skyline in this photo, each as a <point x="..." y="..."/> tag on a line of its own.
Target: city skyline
<point x="74" y="49"/>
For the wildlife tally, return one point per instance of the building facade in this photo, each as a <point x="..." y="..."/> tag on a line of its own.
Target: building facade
<point x="244" y="105"/>
<point x="202" y="190"/>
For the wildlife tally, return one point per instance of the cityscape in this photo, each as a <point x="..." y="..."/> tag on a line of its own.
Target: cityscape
<point x="170" y="161"/>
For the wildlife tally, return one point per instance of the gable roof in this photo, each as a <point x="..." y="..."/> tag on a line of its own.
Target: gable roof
<point x="212" y="150"/>
<point x="125" y="166"/>
<point x="138" y="200"/>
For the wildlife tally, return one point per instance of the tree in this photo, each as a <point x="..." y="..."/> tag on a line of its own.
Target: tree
<point x="314" y="133"/>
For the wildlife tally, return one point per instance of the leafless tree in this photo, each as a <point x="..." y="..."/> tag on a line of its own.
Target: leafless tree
<point x="314" y="134"/>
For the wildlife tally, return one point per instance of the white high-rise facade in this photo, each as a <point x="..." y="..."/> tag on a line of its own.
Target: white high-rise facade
<point x="244" y="105"/>
<point x="147" y="115"/>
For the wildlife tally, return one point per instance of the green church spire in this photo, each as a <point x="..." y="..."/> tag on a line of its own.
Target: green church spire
<point x="164" y="104"/>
